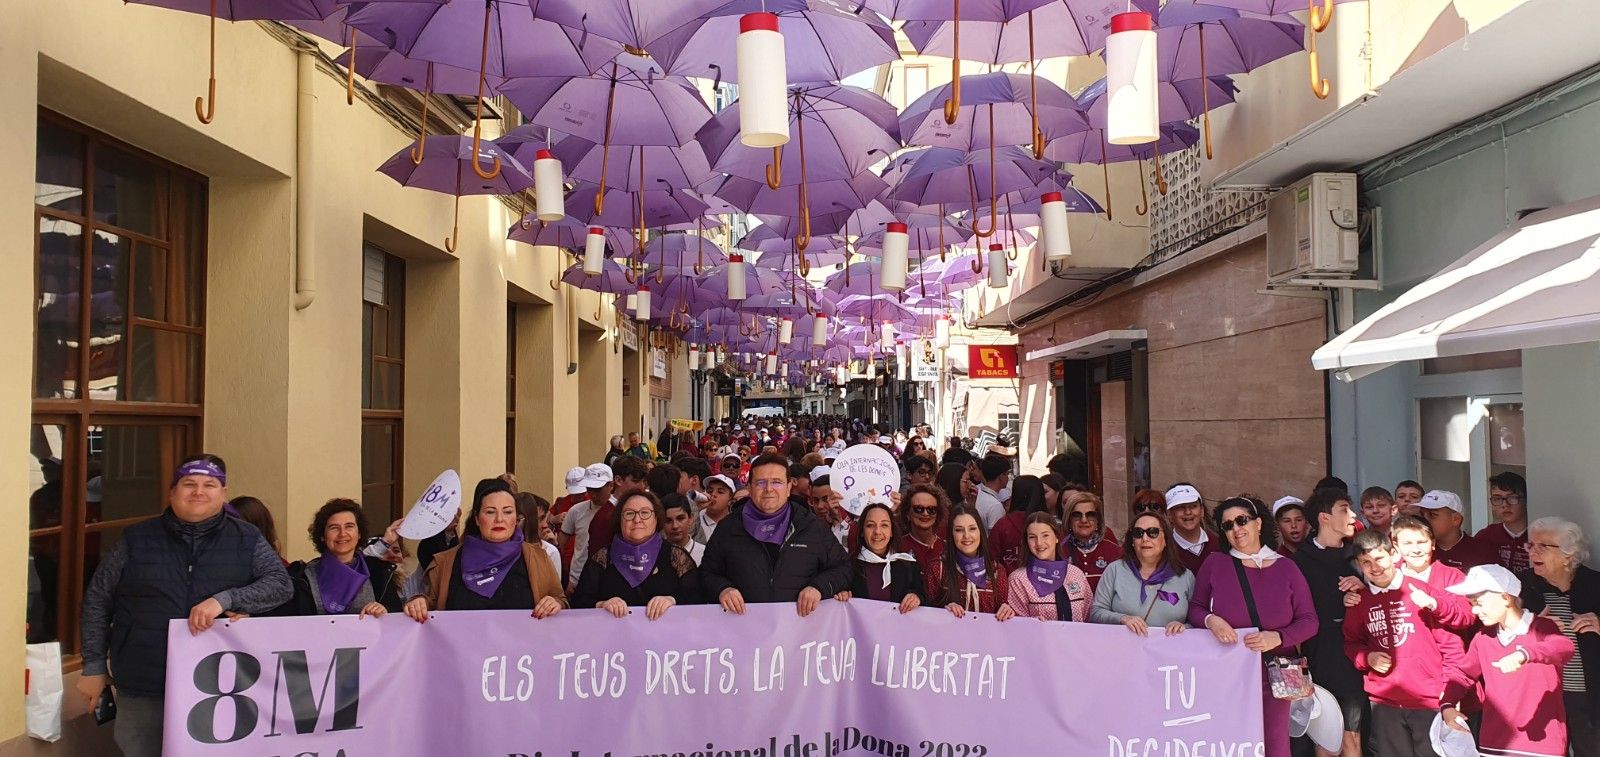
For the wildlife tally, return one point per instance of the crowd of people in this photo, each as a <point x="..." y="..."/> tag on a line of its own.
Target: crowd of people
<point x="1382" y="598"/>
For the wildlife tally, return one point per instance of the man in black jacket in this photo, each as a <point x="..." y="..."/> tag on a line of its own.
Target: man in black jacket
<point x="769" y="550"/>
<point x="1326" y="562"/>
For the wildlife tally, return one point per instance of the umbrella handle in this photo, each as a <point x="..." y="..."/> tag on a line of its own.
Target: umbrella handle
<point x="972" y="189"/>
<point x="700" y="249"/>
<point x="205" y="108"/>
<point x="1205" y="99"/>
<point x="477" y="119"/>
<point x="942" y="217"/>
<point x="1033" y="94"/>
<point x="422" y="128"/>
<point x="350" y="72"/>
<point x="1105" y="173"/>
<point x="804" y="195"/>
<point x="1161" y="181"/>
<point x="455" y="232"/>
<point x="952" y="106"/>
<point x="605" y="146"/>
<point x="1319" y="85"/>
<point x="1144" y="197"/>
<point x="775" y="168"/>
<point x="1321" y="17"/>
<point x="804" y="265"/>
<point x="555" y="286"/>
<point x="977" y="263"/>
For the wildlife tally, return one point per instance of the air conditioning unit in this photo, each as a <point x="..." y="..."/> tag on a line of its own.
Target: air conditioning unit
<point x="1311" y="229"/>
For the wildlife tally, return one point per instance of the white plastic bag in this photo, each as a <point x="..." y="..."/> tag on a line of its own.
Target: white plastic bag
<point x="44" y="690"/>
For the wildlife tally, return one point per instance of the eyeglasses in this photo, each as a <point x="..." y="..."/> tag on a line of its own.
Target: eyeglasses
<point x="638" y="514"/>
<point x="771" y="483"/>
<point x="1239" y="521"/>
<point x="1145" y="533"/>
<point x="1535" y="546"/>
<point x="1083" y="515"/>
<point x="1512" y="500"/>
<point x="920" y="510"/>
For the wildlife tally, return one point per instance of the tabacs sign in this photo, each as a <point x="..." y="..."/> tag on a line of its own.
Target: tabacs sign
<point x="992" y="361"/>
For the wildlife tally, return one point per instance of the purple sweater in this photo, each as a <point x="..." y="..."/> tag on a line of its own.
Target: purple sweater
<point x="1282" y="598"/>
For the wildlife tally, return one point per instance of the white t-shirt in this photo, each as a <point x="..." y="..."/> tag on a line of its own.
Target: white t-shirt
<point x="989" y="507"/>
<point x="554" y="553"/>
<point x="704" y="525"/>
<point x="695" y="550"/>
<point x="576" y="525"/>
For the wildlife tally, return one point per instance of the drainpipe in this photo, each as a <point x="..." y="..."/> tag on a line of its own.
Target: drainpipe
<point x="305" y="252"/>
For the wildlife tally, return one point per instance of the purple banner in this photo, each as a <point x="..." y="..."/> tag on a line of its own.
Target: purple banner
<point x="854" y="678"/>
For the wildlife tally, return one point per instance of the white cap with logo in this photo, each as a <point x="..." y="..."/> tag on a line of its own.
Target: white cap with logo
<point x="574" y="480"/>
<point x="596" y="476"/>
<point x="720" y="479"/>
<point x="1182" y="494"/>
<point x="1485" y="578"/>
<point x="1439" y="499"/>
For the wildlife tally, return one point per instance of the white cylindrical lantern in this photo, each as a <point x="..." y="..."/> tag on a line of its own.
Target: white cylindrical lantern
<point x="641" y="304"/>
<point x="547" y="187"/>
<point x="997" y="265"/>
<point x="631" y="303"/>
<point x="902" y="352"/>
<point x="772" y="362"/>
<point x="1053" y="227"/>
<point x="872" y="370"/>
<point x="783" y="370"/>
<point x="785" y="330"/>
<point x="763" y="82"/>
<point x="594" y="250"/>
<point x="886" y="336"/>
<point x="708" y="359"/>
<point x="896" y="243"/>
<point x="900" y="365"/>
<point x="694" y="357"/>
<point x="841" y="376"/>
<point x="819" y="330"/>
<point x="1132" y="111"/>
<point x="941" y="332"/>
<point x="736" y="277"/>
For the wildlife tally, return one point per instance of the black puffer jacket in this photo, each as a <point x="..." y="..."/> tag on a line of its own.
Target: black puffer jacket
<point x="809" y="556"/>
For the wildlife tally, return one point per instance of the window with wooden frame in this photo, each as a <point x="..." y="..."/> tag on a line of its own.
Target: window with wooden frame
<point x="119" y="340"/>
<point x="383" y="346"/>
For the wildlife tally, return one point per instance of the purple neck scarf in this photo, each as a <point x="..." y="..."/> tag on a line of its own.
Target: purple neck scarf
<point x="974" y="568"/>
<point x="635" y="561"/>
<point x="339" y="583"/>
<point x="768" y="528"/>
<point x="484" y="564"/>
<point x="1047" y="575"/>
<point x="1156" y="579"/>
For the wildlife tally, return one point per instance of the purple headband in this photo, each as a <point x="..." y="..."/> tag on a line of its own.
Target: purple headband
<point x="200" y="468"/>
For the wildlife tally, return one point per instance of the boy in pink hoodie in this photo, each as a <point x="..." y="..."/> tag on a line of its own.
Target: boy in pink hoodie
<point x="1517" y="658"/>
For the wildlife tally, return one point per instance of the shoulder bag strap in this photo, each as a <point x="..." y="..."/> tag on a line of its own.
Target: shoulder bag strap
<point x="1249" y="598"/>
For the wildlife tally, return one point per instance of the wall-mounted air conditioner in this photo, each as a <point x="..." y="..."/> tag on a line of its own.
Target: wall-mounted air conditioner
<point x="1311" y="229"/>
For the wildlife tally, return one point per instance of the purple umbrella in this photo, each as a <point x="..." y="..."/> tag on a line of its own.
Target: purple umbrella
<point x="856" y="278"/>
<point x="679" y="251"/>
<point x="635" y="23"/>
<point x="940" y="176"/>
<point x="1076" y="27"/>
<point x="382" y="64"/>
<point x="788" y="227"/>
<point x="756" y="197"/>
<point x="1091" y="147"/>
<point x="514" y="43"/>
<point x="569" y="233"/>
<point x="524" y="142"/>
<point x="450" y="165"/>
<point x="793" y="260"/>
<point x="642" y="167"/>
<point x="1236" y="46"/>
<point x="1014" y="114"/>
<point x="683" y="294"/>
<point x="823" y="41"/>
<point x="1318" y="21"/>
<point x="874" y="308"/>
<point x="770" y="239"/>
<point x="1023" y="207"/>
<point x="612" y="279"/>
<point x="636" y="210"/>
<point x="205" y="108"/>
<point x="1176" y="100"/>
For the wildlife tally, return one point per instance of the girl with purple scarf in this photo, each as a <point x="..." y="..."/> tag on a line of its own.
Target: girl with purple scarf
<point x="639" y="568"/>
<point x="1149" y="588"/>
<point x="339" y="582"/>
<point x="494" y="567"/>
<point x="1047" y="587"/>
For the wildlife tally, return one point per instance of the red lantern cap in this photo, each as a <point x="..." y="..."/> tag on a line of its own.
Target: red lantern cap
<point x="1050" y="197"/>
<point x="996" y="247"/>
<point x="896" y="226"/>
<point x="735" y="257"/>
<point x="1136" y="21"/>
<point x="543" y="155"/>
<point x="761" y="21"/>
<point x="597" y="229"/>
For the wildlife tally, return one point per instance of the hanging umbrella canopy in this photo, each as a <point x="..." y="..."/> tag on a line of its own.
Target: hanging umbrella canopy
<point x="874" y="308"/>
<point x="629" y="101"/>
<point x="524" y="142"/>
<point x="840" y="130"/>
<point x="823" y="40"/>
<point x="1023" y="206"/>
<point x="662" y="207"/>
<point x="385" y="65"/>
<point x="940" y="10"/>
<point x="1176" y="101"/>
<point x="663" y="167"/>
<point x="680" y="290"/>
<point x="569" y="233"/>
<point x="1321" y="10"/>
<point x="995" y="109"/>
<point x="924" y="232"/>
<point x="683" y="251"/>
<point x="857" y="278"/>
<point x="452" y="33"/>
<point x="788" y="261"/>
<point x="1060" y="28"/>
<point x="449" y="164"/>
<point x="765" y="239"/>
<point x="639" y="24"/>
<point x="942" y="175"/>
<point x="1232" y="44"/>
<point x="612" y="279"/>
<point x="756" y="281"/>
<point x="788" y="227"/>
<point x="1091" y="147"/>
<point x="756" y="197"/>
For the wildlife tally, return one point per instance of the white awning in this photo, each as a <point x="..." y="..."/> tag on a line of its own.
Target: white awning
<point x="1536" y="284"/>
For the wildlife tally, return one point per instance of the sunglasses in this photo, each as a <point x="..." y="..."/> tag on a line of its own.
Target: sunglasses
<point x="1239" y="521"/>
<point x="1081" y="515"/>
<point x="1145" y="533"/>
<point x="1148" y="507"/>
<point x="924" y="510"/>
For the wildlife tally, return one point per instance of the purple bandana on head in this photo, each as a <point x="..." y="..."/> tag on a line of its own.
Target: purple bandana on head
<point x="768" y="528"/>
<point x="199" y="468"/>
<point x="484" y="564"/>
<point x="1047" y="575"/>
<point x="339" y="583"/>
<point x="635" y="561"/>
<point x="974" y="568"/>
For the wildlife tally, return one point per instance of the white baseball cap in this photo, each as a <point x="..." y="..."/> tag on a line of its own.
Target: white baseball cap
<point x="1182" y="494"/>
<point x="596" y="476"/>
<point x="1285" y="502"/>
<point x="1485" y="578"/>
<point x="720" y="479"/>
<point x="820" y="472"/>
<point x="574" y="480"/>
<point x="1439" y="499"/>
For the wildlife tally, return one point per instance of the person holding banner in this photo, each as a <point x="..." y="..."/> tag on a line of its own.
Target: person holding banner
<point x="770" y="551"/>
<point x="1047" y="588"/>
<point x="1149" y="586"/>
<point x="341" y="580"/>
<point x="880" y="574"/>
<point x="494" y="568"/>
<point x="926" y="511"/>
<point x="639" y="568"/>
<point x="1089" y="545"/>
<point x="1252" y="586"/>
<point x="969" y="579"/>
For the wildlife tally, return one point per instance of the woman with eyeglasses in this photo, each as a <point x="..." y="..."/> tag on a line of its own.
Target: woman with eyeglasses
<point x="1087" y="545"/>
<point x="1561" y="587"/>
<point x="639" y="568"/>
<point x="1253" y="586"/>
<point x="968" y="578"/>
<point x="1149" y="587"/>
<point x="1047" y="588"/>
<point x="925" y="509"/>
<point x="880" y="573"/>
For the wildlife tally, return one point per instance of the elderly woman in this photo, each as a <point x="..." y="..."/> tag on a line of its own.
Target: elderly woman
<point x="969" y="579"/>
<point x="1561" y="587"/>
<point x="1088" y="544"/>
<point x="926" y="510"/>
<point x="639" y="568"/>
<point x="1149" y="586"/>
<point x="341" y="580"/>
<point x="1254" y="586"/>
<point x="879" y="573"/>
<point x="494" y="567"/>
<point x="1046" y="587"/>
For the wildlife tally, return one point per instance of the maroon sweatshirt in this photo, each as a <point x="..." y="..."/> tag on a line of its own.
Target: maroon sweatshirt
<point x="1523" y="713"/>
<point x="1455" y="612"/>
<point x="1389" y="622"/>
<point x="1466" y="553"/>
<point x="1511" y="552"/>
